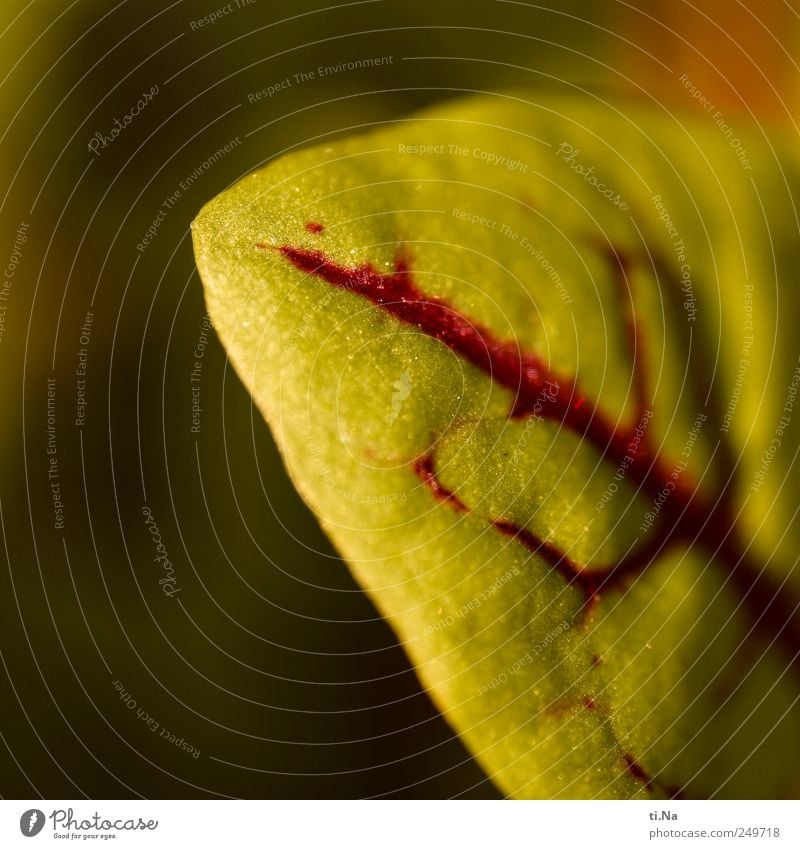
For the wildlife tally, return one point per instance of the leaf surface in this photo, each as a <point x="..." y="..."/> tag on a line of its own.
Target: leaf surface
<point x="525" y="358"/>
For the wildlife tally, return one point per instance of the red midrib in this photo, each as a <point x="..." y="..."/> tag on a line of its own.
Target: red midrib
<point x="687" y="515"/>
<point x="526" y="375"/>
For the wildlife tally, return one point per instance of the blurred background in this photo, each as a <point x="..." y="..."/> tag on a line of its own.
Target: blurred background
<point x="173" y="623"/>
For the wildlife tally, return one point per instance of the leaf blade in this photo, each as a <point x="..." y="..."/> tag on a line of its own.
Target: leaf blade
<point x="394" y="428"/>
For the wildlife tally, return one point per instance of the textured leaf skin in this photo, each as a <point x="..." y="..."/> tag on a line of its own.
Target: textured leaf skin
<point x="660" y="668"/>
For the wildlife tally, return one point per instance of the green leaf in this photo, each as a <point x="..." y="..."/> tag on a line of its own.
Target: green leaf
<point x="525" y="359"/>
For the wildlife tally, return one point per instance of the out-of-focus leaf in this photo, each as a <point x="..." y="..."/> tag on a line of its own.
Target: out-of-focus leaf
<point x="526" y="361"/>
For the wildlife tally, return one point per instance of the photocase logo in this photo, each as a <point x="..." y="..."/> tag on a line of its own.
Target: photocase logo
<point x="31" y="822"/>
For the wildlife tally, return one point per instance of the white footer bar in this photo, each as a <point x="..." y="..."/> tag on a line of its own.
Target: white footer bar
<point x="400" y="824"/>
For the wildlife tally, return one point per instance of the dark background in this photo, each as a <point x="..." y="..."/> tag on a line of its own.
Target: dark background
<point x="269" y="659"/>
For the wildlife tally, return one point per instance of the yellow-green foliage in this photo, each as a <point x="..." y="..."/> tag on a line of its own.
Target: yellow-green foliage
<point x="664" y="684"/>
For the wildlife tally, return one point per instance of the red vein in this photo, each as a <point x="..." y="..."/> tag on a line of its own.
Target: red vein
<point x="525" y="374"/>
<point x="640" y="774"/>
<point x="686" y="515"/>
<point x="423" y="468"/>
<point x="637" y="771"/>
<point x="562" y="708"/>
